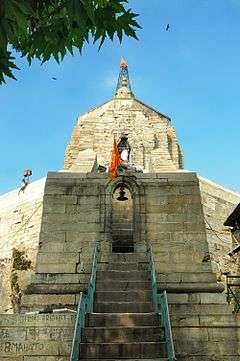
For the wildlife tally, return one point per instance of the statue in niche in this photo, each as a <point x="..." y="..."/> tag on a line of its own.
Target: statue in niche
<point x="124" y="151"/>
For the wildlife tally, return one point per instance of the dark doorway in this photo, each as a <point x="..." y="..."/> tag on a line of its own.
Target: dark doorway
<point x="122" y="222"/>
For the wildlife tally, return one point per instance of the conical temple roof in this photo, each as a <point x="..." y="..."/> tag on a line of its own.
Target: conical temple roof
<point x="152" y="139"/>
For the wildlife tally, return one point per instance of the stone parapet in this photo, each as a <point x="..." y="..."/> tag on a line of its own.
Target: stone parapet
<point x="45" y="337"/>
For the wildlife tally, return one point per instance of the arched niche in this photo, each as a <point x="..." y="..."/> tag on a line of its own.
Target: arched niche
<point x="122" y="220"/>
<point x="136" y="205"/>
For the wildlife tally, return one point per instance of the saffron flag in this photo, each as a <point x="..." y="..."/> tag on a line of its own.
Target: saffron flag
<point x="115" y="160"/>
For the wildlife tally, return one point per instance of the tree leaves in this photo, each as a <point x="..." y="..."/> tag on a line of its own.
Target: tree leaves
<point x="52" y="28"/>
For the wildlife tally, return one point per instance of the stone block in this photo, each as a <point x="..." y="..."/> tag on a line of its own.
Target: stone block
<point x="49" y="333"/>
<point x="46" y="358"/>
<point x="54" y="209"/>
<point x="219" y="320"/>
<point x="188" y="309"/>
<point x="82" y="208"/>
<point x="12" y="333"/>
<point x="64" y="288"/>
<point x="78" y="236"/>
<point x="56" y="268"/>
<point x="52" y="189"/>
<point x="223" y="333"/>
<point x="209" y="348"/>
<point x="38" y="320"/>
<point x="82" y="227"/>
<point x="10" y="348"/>
<point x="199" y="298"/>
<point x="189" y="257"/>
<point x="185" y="321"/>
<point x="17" y="358"/>
<point x="51" y="200"/>
<point x="167" y="227"/>
<point x="47" y="237"/>
<point x="190" y="287"/>
<point x="126" y="350"/>
<point x="50" y="278"/>
<point x="58" y="257"/>
<point x="48" y="299"/>
<point x="87" y="216"/>
<point x="122" y="307"/>
<point x="164" y="267"/>
<point x="122" y="334"/>
<point x="190" y="333"/>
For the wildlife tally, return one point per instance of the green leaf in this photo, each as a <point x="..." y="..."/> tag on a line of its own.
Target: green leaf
<point x="50" y="28"/>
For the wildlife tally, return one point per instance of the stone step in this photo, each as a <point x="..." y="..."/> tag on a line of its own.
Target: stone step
<point x="181" y="277"/>
<point x="183" y="267"/>
<point x="123" y="296"/>
<point x="123" y="285"/>
<point x="39" y="301"/>
<point x="127" y="257"/>
<point x="197" y="298"/>
<point x="132" y="266"/>
<point x="121" y="307"/>
<point x="123" y="266"/>
<point x="132" y="359"/>
<point x="200" y="309"/>
<point x="55" y="278"/>
<point x="210" y="333"/>
<point x="122" y="334"/>
<point x="123" y="350"/>
<point x="193" y="287"/>
<point x="123" y="319"/>
<point x="206" y="358"/>
<point x="205" y="321"/>
<point x="123" y="275"/>
<point x="64" y="288"/>
<point x="225" y="348"/>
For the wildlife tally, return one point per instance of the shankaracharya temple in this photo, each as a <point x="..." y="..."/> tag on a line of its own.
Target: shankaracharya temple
<point x="124" y="254"/>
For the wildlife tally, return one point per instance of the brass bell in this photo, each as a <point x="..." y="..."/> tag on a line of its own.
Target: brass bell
<point x="122" y="196"/>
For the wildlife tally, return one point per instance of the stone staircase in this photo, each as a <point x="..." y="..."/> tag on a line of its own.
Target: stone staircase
<point x="123" y="324"/>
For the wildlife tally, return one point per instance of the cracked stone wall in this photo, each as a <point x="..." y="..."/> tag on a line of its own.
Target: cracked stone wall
<point x="20" y="218"/>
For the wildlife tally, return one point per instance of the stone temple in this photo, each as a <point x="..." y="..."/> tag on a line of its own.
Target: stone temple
<point x="48" y="235"/>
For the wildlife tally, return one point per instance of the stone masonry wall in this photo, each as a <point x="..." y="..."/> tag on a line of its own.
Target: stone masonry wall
<point x="20" y="219"/>
<point x="150" y="134"/>
<point x="218" y="203"/>
<point x="77" y="207"/>
<point x="175" y="227"/>
<point x="71" y="225"/>
<point x="45" y="337"/>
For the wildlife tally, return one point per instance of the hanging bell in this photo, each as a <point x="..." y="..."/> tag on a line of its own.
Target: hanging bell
<point x="122" y="196"/>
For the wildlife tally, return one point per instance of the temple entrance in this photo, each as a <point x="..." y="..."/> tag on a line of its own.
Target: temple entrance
<point x="122" y="221"/>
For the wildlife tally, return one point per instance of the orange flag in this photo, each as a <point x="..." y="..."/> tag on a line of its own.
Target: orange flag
<point x="115" y="160"/>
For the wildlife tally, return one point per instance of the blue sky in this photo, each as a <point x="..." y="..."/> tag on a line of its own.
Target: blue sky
<point x="191" y="73"/>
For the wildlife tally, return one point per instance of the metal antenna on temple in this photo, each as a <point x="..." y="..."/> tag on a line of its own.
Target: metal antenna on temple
<point x="123" y="79"/>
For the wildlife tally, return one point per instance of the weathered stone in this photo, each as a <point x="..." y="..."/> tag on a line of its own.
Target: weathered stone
<point x="38" y="320"/>
<point x="56" y="268"/>
<point x="34" y="348"/>
<point x="45" y="300"/>
<point x="58" y="257"/>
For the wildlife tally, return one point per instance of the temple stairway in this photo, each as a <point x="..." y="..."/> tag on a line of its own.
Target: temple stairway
<point x="123" y="325"/>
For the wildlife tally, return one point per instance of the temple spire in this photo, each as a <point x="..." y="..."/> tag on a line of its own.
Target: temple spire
<point x="123" y="79"/>
<point x="123" y="86"/>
